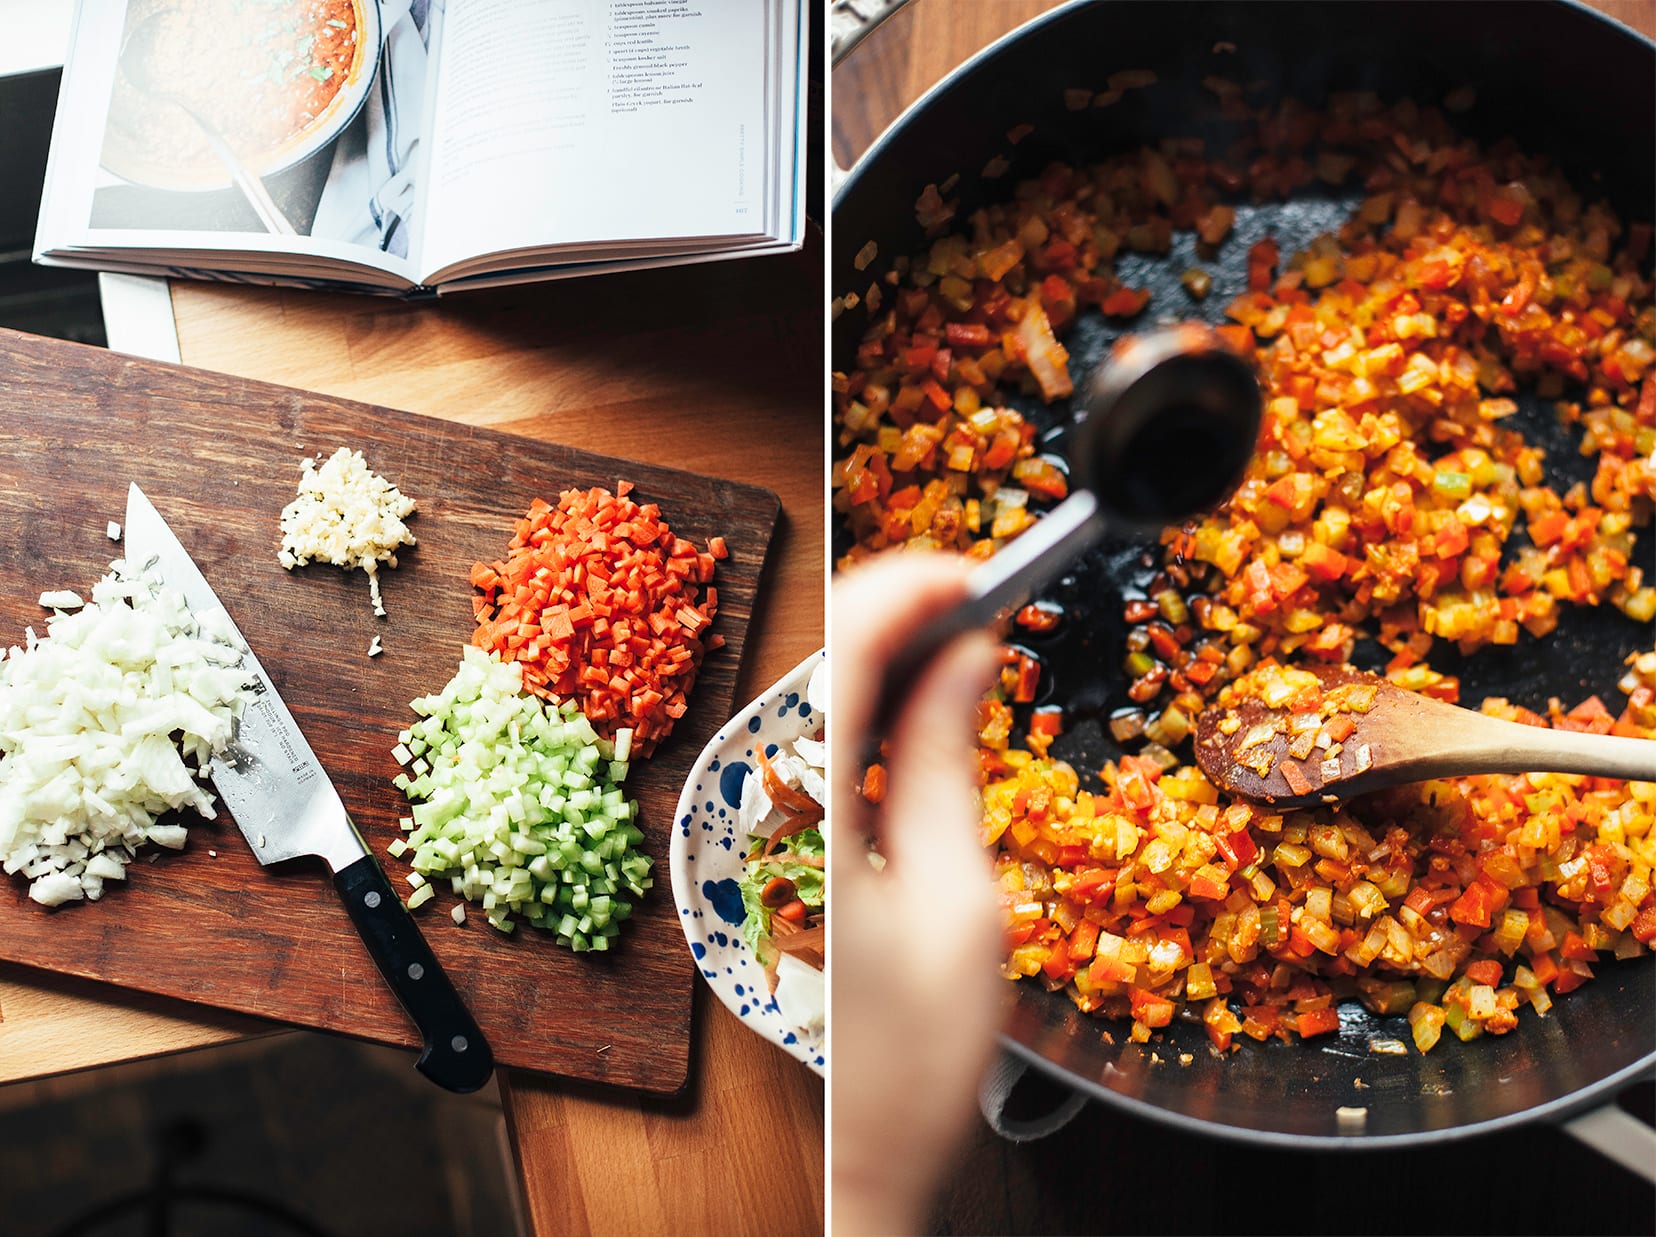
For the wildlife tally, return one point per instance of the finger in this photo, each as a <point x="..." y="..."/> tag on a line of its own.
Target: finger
<point x="875" y="608"/>
<point x="933" y="811"/>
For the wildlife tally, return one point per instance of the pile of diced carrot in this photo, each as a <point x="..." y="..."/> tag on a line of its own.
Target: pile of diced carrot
<point x="598" y="600"/>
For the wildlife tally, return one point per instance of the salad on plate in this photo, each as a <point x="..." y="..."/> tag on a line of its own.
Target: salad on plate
<point x="748" y="863"/>
<point x="783" y="890"/>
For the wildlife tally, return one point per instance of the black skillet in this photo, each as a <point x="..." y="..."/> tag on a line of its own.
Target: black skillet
<point x="1557" y="78"/>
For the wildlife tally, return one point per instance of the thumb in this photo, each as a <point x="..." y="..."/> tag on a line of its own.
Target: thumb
<point x="932" y="802"/>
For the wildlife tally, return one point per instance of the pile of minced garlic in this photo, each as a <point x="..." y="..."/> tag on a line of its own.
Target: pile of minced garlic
<point x="346" y="515"/>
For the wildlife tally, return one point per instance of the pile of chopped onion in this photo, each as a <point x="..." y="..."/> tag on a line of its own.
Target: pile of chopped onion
<point x="518" y="805"/>
<point x="88" y="719"/>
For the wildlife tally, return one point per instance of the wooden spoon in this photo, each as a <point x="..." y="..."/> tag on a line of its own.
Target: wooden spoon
<point x="1402" y="737"/>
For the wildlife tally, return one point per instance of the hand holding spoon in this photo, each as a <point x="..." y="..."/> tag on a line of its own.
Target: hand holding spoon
<point x="1395" y="737"/>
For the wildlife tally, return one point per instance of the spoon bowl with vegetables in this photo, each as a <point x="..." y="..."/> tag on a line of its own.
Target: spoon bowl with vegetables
<point x="1292" y="736"/>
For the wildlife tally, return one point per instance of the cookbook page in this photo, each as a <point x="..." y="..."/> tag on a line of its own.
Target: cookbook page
<point x="569" y="123"/>
<point x="265" y="126"/>
<point x="792" y="45"/>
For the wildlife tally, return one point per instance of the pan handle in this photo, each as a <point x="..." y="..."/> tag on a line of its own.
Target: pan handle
<point x="1617" y="1135"/>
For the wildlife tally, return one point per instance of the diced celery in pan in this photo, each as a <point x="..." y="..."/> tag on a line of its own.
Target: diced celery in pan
<point x="521" y="810"/>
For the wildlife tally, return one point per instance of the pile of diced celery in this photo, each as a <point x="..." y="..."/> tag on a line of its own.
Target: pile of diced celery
<point x="517" y="804"/>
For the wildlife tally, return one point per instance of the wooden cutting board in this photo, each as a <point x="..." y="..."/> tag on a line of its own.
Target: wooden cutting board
<point x="219" y="458"/>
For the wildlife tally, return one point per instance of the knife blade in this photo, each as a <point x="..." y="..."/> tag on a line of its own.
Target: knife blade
<point x="287" y="808"/>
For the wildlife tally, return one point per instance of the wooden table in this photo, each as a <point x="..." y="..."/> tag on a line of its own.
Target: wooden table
<point x="1108" y="1172"/>
<point x="717" y="369"/>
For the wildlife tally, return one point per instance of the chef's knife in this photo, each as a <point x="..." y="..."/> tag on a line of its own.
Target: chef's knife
<point x="286" y="807"/>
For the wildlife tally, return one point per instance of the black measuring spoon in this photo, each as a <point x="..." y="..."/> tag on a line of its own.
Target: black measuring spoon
<point x="1170" y="421"/>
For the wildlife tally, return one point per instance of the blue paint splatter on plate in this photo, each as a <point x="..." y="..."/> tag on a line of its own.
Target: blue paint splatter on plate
<point x="711" y="909"/>
<point x="726" y="897"/>
<point x="730" y="782"/>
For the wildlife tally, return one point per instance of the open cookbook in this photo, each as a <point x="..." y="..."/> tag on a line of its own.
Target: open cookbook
<point x="410" y="146"/>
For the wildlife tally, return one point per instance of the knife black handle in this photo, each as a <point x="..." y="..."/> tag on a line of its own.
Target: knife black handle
<point x="456" y="1056"/>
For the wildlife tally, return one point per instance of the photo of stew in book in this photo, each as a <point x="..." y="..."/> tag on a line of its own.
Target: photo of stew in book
<point x="264" y="75"/>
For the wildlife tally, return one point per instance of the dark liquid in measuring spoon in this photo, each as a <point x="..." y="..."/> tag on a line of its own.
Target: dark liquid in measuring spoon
<point x="1176" y="441"/>
<point x="1178" y="462"/>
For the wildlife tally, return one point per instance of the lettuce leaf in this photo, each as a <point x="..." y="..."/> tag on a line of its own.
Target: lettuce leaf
<point x="809" y="882"/>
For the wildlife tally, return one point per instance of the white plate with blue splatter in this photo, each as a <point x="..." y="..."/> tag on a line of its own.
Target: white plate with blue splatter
<point x="706" y="861"/>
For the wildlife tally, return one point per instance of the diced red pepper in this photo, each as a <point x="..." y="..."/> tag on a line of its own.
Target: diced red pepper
<point x="1284" y="491"/>
<point x="1286" y="579"/>
<point x="1569" y="979"/>
<point x="1107" y="967"/>
<point x="1059" y="255"/>
<point x="1203" y="885"/>
<point x="1238" y="848"/>
<point x="1135" y="790"/>
<point x="1257" y="576"/>
<point x="874" y="783"/>
<point x="1057" y="294"/>
<point x="968" y="335"/>
<point x="1089" y="881"/>
<point x="1153" y="1011"/>
<point x="1505" y="208"/>
<point x="1038" y="618"/>
<point x="1323" y="562"/>
<point x="1576" y="949"/>
<point x="1239" y="339"/>
<point x="1029" y="677"/>
<point x="1047" y="723"/>
<point x="1262" y="260"/>
<point x="1544" y="967"/>
<point x="1083" y="942"/>
<point x="1019" y="933"/>
<point x="1420" y="900"/>
<point x="1435" y="274"/>
<point x="1548" y="528"/>
<point x="1295" y="777"/>
<point x="1002" y="451"/>
<point x="1481" y="897"/>
<point x="1484" y="971"/>
<point x="1058" y="965"/>
<point x="1452" y="539"/>
<point x="1125" y="302"/>
<point x="940" y="398"/>
<point x="1318" y="1022"/>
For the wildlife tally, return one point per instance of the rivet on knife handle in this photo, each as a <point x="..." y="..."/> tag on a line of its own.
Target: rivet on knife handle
<point x="456" y="1055"/>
